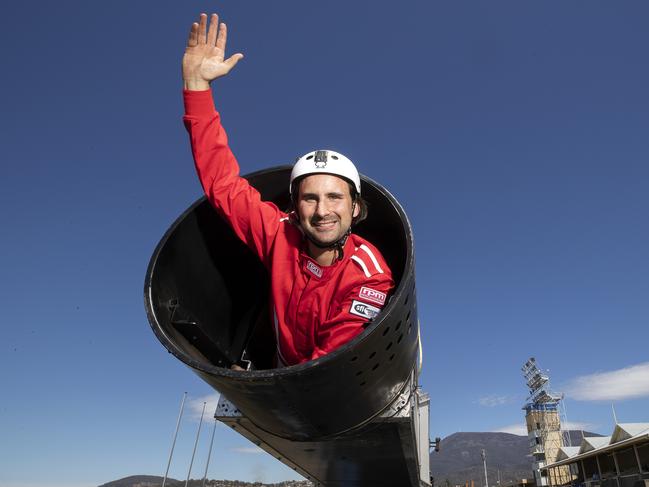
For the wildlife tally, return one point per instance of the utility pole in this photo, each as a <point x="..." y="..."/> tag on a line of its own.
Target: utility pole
<point x="484" y="463"/>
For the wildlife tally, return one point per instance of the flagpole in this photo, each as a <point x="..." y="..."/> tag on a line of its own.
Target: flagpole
<point x="198" y="433"/>
<point x="173" y="445"/>
<point x="209" y="454"/>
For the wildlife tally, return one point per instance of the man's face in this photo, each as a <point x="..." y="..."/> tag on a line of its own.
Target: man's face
<point x="324" y="207"/>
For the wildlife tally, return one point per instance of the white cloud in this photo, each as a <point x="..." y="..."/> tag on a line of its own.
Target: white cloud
<point x="195" y="406"/>
<point x="248" y="450"/>
<point x="627" y="383"/>
<point x="514" y="429"/>
<point x="494" y="400"/>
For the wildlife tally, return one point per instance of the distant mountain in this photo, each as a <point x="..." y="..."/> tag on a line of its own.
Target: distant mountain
<point x="139" y="480"/>
<point x="459" y="459"/>
<point x="156" y="481"/>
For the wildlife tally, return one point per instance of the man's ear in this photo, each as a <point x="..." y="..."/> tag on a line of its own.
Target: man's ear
<point x="357" y="209"/>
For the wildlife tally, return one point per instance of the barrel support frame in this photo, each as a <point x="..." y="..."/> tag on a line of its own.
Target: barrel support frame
<point x="407" y="415"/>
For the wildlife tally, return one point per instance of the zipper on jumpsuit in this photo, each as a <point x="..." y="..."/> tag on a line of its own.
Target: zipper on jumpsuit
<point x="297" y="310"/>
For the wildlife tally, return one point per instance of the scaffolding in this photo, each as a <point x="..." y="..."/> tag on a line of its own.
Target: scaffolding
<point x="543" y="412"/>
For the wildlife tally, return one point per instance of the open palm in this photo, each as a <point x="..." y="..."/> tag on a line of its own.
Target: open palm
<point x="204" y="58"/>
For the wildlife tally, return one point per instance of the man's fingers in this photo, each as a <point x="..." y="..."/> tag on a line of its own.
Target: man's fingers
<point x="232" y="61"/>
<point x="211" y="33"/>
<point x="202" y="28"/>
<point x="193" y="35"/>
<point x="223" y="37"/>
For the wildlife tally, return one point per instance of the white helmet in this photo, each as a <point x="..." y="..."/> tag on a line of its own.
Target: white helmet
<point x="325" y="162"/>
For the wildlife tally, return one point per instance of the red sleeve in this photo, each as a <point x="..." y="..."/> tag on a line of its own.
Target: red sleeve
<point x="354" y="311"/>
<point x="254" y="221"/>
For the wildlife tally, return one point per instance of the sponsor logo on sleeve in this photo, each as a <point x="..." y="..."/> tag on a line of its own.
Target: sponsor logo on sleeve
<point x="372" y="295"/>
<point x="314" y="269"/>
<point x="363" y="309"/>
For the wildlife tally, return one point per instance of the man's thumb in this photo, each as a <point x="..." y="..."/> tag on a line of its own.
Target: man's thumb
<point x="233" y="60"/>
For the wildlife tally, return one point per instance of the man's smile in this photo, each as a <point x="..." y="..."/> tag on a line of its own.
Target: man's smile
<point x="324" y="225"/>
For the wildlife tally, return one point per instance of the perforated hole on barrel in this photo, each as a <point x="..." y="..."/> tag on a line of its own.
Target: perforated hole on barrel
<point x="354" y="358"/>
<point x="385" y="332"/>
<point x="400" y="338"/>
<point x="409" y="329"/>
<point x="362" y="384"/>
<point x="376" y="366"/>
<point x="388" y="347"/>
<point x="372" y="355"/>
<point x="360" y="372"/>
<point x="406" y="301"/>
<point x="398" y="326"/>
<point x="408" y="315"/>
<point x="391" y="357"/>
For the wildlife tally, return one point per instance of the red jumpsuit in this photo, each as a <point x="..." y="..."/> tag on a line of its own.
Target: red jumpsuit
<point x="316" y="308"/>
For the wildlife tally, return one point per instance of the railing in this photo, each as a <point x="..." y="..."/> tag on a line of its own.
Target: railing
<point x="630" y="480"/>
<point x="633" y="480"/>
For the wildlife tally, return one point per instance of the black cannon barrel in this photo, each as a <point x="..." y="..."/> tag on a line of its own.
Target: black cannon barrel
<point x="206" y="296"/>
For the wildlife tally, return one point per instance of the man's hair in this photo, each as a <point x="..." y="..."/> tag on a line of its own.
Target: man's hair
<point x="356" y="198"/>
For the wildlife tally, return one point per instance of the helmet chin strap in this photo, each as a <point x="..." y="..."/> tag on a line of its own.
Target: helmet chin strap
<point x="337" y="245"/>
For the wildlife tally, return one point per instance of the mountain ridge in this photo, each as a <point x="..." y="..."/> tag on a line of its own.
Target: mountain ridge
<point x="156" y="481"/>
<point x="458" y="461"/>
<point x="507" y="456"/>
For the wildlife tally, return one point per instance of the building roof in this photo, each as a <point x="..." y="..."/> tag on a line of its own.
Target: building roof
<point x="623" y="434"/>
<point x="566" y="452"/>
<point x="590" y="443"/>
<point x="624" y="431"/>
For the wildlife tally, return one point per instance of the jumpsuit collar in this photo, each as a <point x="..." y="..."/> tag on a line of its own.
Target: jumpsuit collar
<point x="311" y="268"/>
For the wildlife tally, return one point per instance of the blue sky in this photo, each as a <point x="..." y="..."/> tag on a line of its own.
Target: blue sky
<point x="513" y="133"/>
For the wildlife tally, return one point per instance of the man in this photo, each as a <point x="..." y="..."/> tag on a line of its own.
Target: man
<point x="326" y="282"/>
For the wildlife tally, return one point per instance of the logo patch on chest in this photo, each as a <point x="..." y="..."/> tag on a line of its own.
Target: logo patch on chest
<point x="314" y="269"/>
<point x="372" y="295"/>
<point x="363" y="309"/>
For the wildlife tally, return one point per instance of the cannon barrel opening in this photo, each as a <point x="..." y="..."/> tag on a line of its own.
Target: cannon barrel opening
<point x="206" y="296"/>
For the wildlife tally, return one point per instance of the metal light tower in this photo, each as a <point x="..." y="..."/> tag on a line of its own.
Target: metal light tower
<point x="542" y="418"/>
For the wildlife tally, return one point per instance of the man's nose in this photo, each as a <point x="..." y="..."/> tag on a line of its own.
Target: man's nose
<point x="321" y="208"/>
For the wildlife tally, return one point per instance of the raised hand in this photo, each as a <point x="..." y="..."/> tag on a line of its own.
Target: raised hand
<point x="205" y="52"/>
